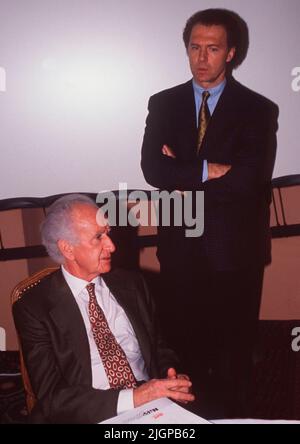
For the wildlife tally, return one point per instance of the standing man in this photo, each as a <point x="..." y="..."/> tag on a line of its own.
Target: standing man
<point x="88" y="333"/>
<point x="214" y="134"/>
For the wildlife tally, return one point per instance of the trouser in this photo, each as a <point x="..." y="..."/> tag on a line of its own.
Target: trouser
<point x="210" y="318"/>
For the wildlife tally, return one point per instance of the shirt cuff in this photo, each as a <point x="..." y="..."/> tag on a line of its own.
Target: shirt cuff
<point x="205" y="171"/>
<point x="125" y="401"/>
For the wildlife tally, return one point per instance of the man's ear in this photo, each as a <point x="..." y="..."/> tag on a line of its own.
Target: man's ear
<point x="230" y="55"/>
<point x="66" y="249"/>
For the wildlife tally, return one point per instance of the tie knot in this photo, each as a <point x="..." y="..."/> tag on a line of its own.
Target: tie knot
<point x="91" y="289"/>
<point x="205" y="95"/>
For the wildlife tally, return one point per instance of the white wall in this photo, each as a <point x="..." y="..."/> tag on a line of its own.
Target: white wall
<point x="79" y="74"/>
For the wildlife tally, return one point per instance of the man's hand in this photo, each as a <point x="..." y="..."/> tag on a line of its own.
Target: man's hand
<point x="217" y="170"/>
<point x="172" y="374"/>
<point x="167" y="151"/>
<point x="175" y="387"/>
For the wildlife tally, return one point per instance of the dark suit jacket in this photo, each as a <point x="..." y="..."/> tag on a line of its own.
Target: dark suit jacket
<point x="242" y="133"/>
<point x="56" y="349"/>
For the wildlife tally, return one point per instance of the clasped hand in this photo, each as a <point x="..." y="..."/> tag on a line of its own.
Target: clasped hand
<point x="175" y="386"/>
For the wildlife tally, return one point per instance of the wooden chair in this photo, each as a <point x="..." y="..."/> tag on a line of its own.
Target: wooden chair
<point x="285" y="209"/>
<point x="18" y="292"/>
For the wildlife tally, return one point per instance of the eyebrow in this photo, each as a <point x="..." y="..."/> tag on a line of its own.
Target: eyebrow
<point x="104" y="229"/>
<point x="210" y="44"/>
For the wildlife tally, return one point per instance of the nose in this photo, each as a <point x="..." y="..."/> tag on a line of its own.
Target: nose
<point x="202" y="55"/>
<point x="109" y="245"/>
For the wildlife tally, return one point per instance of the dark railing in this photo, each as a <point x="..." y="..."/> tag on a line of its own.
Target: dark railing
<point x="35" y="251"/>
<point x="281" y="229"/>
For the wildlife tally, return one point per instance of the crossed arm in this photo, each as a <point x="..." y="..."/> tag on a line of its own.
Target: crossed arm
<point x="215" y="170"/>
<point x="250" y="149"/>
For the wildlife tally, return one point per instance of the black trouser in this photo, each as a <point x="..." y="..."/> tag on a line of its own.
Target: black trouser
<point x="210" y="319"/>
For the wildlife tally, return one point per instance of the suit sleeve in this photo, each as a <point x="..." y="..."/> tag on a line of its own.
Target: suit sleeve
<point x="253" y="163"/>
<point x="57" y="401"/>
<point x="159" y="170"/>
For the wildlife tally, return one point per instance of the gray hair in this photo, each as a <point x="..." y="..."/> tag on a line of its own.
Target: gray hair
<point x="58" y="223"/>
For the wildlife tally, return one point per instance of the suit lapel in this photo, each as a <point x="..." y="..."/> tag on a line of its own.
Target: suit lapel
<point x="187" y="107"/>
<point x="128" y="299"/>
<point x="183" y="123"/>
<point x="222" y="126"/>
<point x="65" y="313"/>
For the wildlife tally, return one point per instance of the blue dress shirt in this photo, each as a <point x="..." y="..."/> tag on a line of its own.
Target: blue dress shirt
<point x="215" y="94"/>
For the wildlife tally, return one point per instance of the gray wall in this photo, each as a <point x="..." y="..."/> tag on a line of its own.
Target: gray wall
<point x="79" y="74"/>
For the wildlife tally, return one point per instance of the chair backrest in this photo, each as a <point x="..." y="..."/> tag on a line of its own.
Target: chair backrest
<point x="18" y="292"/>
<point x="285" y="209"/>
<point x="281" y="289"/>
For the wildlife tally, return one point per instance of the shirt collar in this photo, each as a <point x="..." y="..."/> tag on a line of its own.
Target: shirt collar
<point x="215" y="91"/>
<point x="76" y="284"/>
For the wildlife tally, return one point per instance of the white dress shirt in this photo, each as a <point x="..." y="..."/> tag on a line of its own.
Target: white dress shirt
<point x="120" y="327"/>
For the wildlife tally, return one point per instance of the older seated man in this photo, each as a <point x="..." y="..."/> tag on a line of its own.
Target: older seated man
<point x="88" y="333"/>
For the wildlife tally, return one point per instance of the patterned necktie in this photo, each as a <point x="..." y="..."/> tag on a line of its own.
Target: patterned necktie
<point x="204" y="117"/>
<point x="114" y="360"/>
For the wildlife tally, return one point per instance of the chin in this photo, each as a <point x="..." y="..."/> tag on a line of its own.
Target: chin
<point x="203" y="78"/>
<point x="105" y="269"/>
